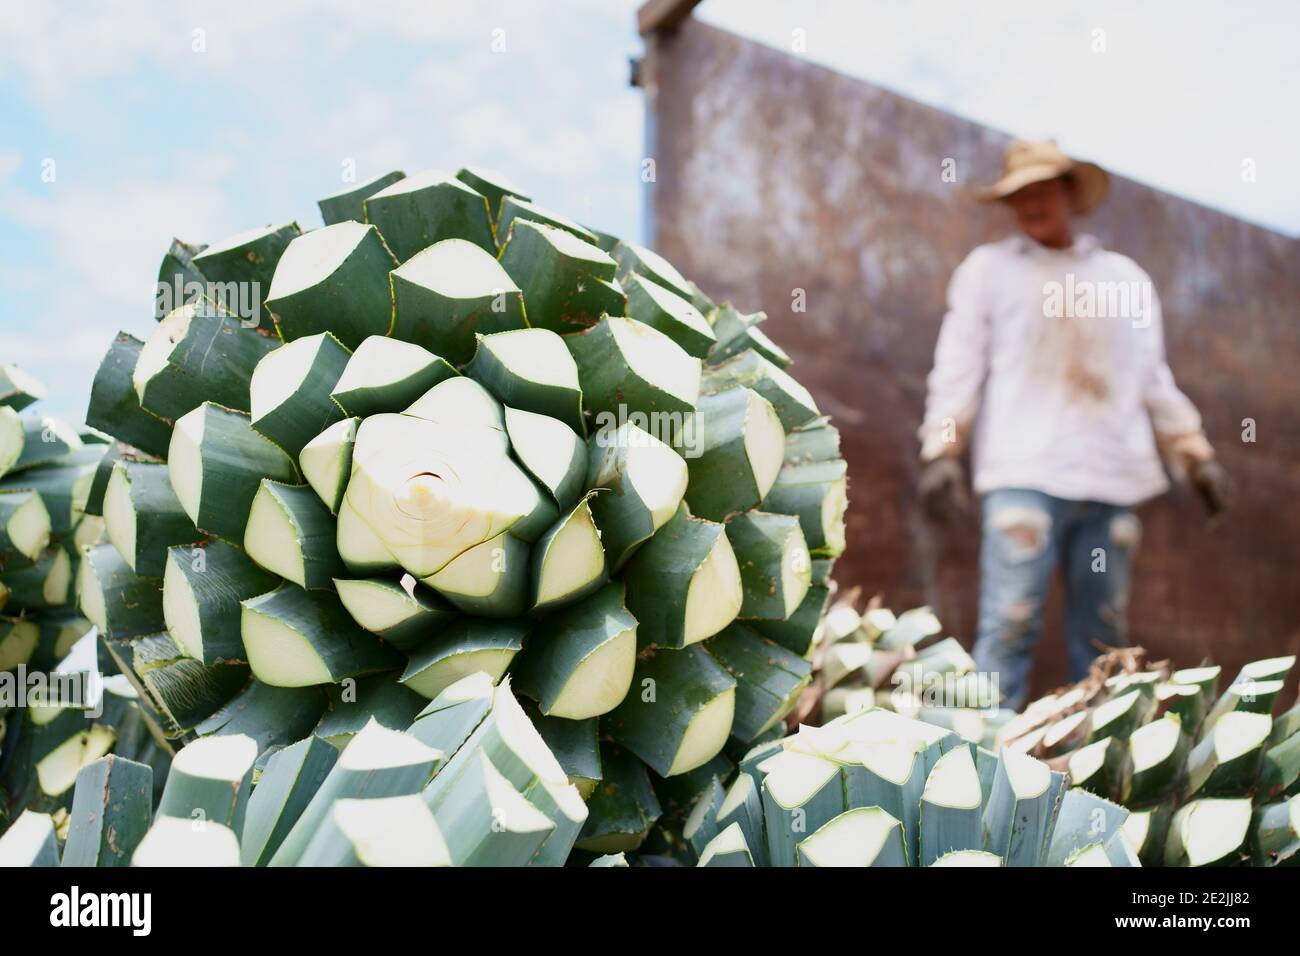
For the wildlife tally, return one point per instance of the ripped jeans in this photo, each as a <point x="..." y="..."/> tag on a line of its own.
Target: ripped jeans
<point x="1026" y="535"/>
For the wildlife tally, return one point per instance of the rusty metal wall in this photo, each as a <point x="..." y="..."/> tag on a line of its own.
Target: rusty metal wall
<point x="774" y="175"/>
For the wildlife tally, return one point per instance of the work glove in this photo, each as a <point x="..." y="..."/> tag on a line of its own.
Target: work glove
<point x="1211" y="482"/>
<point x="942" y="488"/>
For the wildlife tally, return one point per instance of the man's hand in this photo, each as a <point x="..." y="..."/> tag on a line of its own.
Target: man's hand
<point x="1212" y="483"/>
<point x="942" y="488"/>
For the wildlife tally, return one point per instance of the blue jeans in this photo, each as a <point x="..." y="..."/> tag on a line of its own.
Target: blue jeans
<point x="1026" y="535"/>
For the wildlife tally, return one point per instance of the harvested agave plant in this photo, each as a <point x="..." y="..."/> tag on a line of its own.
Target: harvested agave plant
<point x="874" y="788"/>
<point x="447" y="433"/>
<point x="468" y="782"/>
<point x="47" y="470"/>
<point x="870" y="657"/>
<point x="1211" y="776"/>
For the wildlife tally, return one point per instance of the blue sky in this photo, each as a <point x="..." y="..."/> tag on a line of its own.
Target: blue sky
<point x="201" y="120"/>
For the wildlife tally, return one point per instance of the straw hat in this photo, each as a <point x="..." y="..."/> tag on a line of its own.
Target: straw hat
<point x="1034" y="162"/>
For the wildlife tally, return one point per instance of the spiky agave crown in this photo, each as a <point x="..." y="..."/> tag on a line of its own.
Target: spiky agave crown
<point x="452" y="432"/>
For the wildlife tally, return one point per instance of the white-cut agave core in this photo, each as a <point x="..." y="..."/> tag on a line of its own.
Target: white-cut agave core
<point x="523" y="739"/>
<point x="430" y="492"/>
<point x="1086" y="761"/>
<point x="445" y="671"/>
<point x="158" y="349"/>
<point x="314" y="256"/>
<point x="173" y="841"/>
<point x="891" y="760"/>
<point x="509" y="807"/>
<point x="23" y="382"/>
<point x="477" y="572"/>
<point x="375" y="747"/>
<point x="181" y="609"/>
<point x="601" y="681"/>
<point x="570" y="245"/>
<point x="968" y="858"/>
<point x="679" y="308"/>
<point x="657" y="472"/>
<point x="834" y="503"/>
<point x="796" y="567"/>
<point x="797" y="777"/>
<point x="376" y="605"/>
<point x="1211" y="829"/>
<point x="730" y="840"/>
<point x="1029" y="777"/>
<point x="326" y="461"/>
<point x="90" y="594"/>
<point x="119" y="514"/>
<point x="271" y="539"/>
<point x="538" y="355"/>
<point x="460" y="401"/>
<point x="29" y="527"/>
<point x="279" y="655"/>
<point x="380" y="361"/>
<point x="1153" y="742"/>
<point x="12" y="438"/>
<point x="574" y="558"/>
<point x="737" y="796"/>
<point x="23" y="840"/>
<point x="705" y="734"/>
<point x="457" y="269"/>
<point x="953" y="782"/>
<point x="715" y="594"/>
<point x="1112" y="709"/>
<point x="88" y="531"/>
<point x="392" y="831"/>
<point x="547" y="447"/>
<point x="55" y="587"/>
<point x="223" y="757"/>
<point x="1239" y="732"/>
<point x="57" y="771"/>
<point x="854" y="838"/>
<point x="1196" y="675"/>
<point x="358" y="545"/>
<point x="281" y="373"/>
<point x="655" y="358"/>
<point x="764" y="442"/>
<point x="18" y="644"/>
<point x="1273" y="667"/>
<point x="185" y="460"/>
<point x="1135" y="829"/>
<point x="1064" y="727"/>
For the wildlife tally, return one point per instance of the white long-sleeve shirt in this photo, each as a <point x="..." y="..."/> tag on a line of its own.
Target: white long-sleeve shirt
<point x="1052" y="361"/>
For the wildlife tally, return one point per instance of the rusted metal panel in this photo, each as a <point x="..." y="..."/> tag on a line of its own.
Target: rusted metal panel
<point x="775" y="175"/>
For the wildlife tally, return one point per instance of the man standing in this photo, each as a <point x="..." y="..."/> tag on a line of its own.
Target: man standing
<point x="1051" y="366"/>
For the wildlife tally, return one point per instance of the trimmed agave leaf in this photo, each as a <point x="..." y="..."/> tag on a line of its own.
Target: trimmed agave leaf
<point x="530" y="369"/>
<point x="567" y="283"/>
<point x="348" y="204"/>
<point x="627" y="368"/>
<point x="386" y="375"/>
<point x="449" y="291"/>
<point x="333" y="280"/>
<point x="684" y="584"/>
<point x="679" y="713"/>
<point x="863" y="836"/>
<point x="427" y="207"/>
<point x="578" y="662"/>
